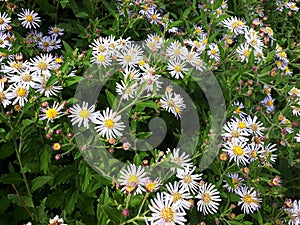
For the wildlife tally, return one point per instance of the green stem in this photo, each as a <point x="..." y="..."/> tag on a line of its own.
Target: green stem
<point x="143" y="202"/>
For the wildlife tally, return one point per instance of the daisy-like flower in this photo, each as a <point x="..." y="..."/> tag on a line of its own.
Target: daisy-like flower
<point x="133" y="178"/>
<point x="236" y="183"/>
<point x="126" y="90"/>
<point x="26" y="78"/>
<point x="244" y="51"/>
<point x="153" y="185"/>
<point x="150" y="81"/>
<point x="191" y="57"/>
<point x="268" y="102"/>
<point x="4" y="21"/>
<point x="109" y="124"/>
<point x="82" y="115"/>
<point x="54" y="30"/>
<point x="237" y="151"/>
<point x="294" y="212"/>
<point x="51" y="113"/>
<point x="4" y="95"/>
<point x="209" y="198"/>
<point x="188" y="180"/>
<point x="249" y="200"/>
<point x="51" y="90"/>
<point x="239" y="106"/>
<point x="214" y="52"/>
<point x="175" y="50"/>
<point x="130" y="55"/>
<point x="154" y="17"/>
<point x="292" y="6"/>
<point x="164" y="212"/>
<point x="267" y="154"/>
<point x="252" y="38"/>
<point x="255" y="126"/>
<point x="182" y="160"/>
<point x="235" y="130"/>
<point x="173" y="103"/>
<point x="294" y="92"/>
<point x="234" y="25"/>
<point x="43" y="64"/>
<point x="14" y="67"/>
<point x="254" y="150"/>
<point x="4" y="43"/>
<point x="57" y="221"/>
<point x="29" y="19"/>
<point x="102" y="59"/>
<point x="177" y="68"/>
<point x="131" y="73"/>
<point x="19" y="93"/>
<point x="179" y="195"/>
<point x="154" y="42"/>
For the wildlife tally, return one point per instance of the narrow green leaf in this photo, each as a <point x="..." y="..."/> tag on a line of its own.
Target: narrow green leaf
<point x="11" y="178"/>
<point x="40" y="182"/>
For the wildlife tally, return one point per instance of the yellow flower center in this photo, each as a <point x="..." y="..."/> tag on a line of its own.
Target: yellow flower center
<point x="26" y="77"/>
<point x="29" y="18"/>
<point x="235" y="134"/>
<point x="235" y="182"/>
<point x="177" y="109"/>
<point x="187" y="179"/>
<point x="235" y="25"/>
<point x="170" y="103"/>
<point x="150" y="186"/>
<point x="238" y="110"/>
<point x="247" y="199"/>
<point x="214" y="52"/>
<point x="254" y="127"/>
<point x="3" y="54"/>
<point x="42" y="65"/>
<point x="17" y="65"/>
<point x="237" y="150"/>
<point x="133" y="179"/>
<point x="282" y="54"/>
<point x="84" y="113"/>
<point x="154" y="17"/>
<point x="21" y="92"/>
<point x="128" y="58"/>
<point x="167" y="214"/>
<point x="269" y="102"/>
<point x="176" y="196"/>
<point x="55" y="30"/>
<point x="177" y="160"/>
<point x="1" y="42"/>
<point x="101" y="58"/>
<point x="101" y="48"/>
<point x="45" y="44"/>
<point x="2" y="96"/>
<point x="247" y="53"/>
<point x="51" y="113"/>
<point x="204" y="41"/>
<point x="59" y="60"/>
<point x="1" y="21"/>
<point x="242" y="125"/>
<point x="229" y="41"/>
<point x="206" y="198"/>
<point x="178" y="68"/>
<point x="177" y="51"/>
<point x="197" y="44"/>
<point x="109" y="123"/>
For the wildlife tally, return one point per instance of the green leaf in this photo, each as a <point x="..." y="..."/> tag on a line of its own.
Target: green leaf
<point x="45" y="158"/>
<point x="69" y="50"/>
<point x="110" y="8"/>
<point x="27" y="122"/>
<point x="51" y="80"/>
<point x="80" y="223"/>
<point x="82" y="15"/>
<point x="15" y="199"/>
<point x="149" y="104"/>
<point x="6" y="150"/>
<point x="11" y="178"/>
<point x="110" y="98"/>
<point x="40" y="182"/>
<point x="113" y="214"/>
<point x="63" y="3"/>
<point x="72" y="80"/>
<point x="70" y="202"/>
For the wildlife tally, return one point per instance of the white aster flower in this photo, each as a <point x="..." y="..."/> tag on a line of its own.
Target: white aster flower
<point x="164" y="212"/>
<point x="236" y="182"/>
<point x="126" y="91"/>
<point x="255" y="126"/>
<point x="51" y="90"/>
<point x="19" y="93"/>
<point x="4" y="95"/>
<point x="213" y="52"/>
<point x="209" y="198"/>
<point x="188" y="180"/>
<point x="29" y="19"/>
<point x="109" y="124"/>
<point x="249" y="200"/>
<point x="133" y="178"/>
<point x="51" y="113"/>
<point x="4" y="21"/>
<point x="182" y="160"/>
<point x="177" y="68"/>
<point x="268" y="155"/>
<point x="179" y="195"/>
<point x="42" y="65"/>
<point x="173" y="103"/>
<point x="237" y="151"/>
<point x="244" y="51"/>
<point x="297" y="137"/>
<point x="235" y="25"/>
<point x="82" y="115"/>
